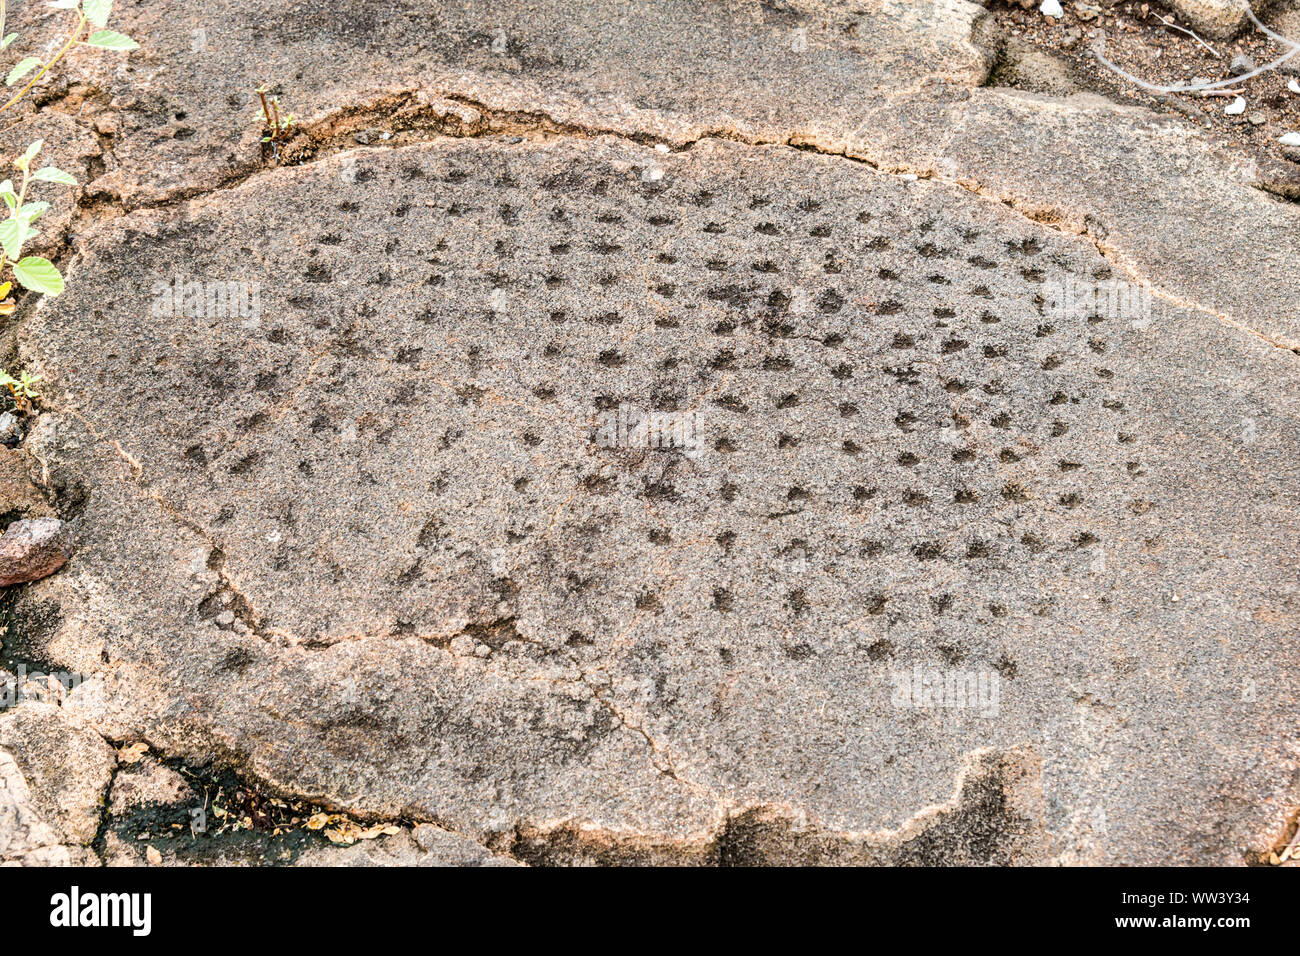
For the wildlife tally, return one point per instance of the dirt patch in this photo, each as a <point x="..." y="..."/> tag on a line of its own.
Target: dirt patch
<point x="224" y="819"/>
<point x="1143" y="39"/>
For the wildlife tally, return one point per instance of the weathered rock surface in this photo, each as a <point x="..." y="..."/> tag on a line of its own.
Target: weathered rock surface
<point x="54" y="773"/>
<point x="148" y="783"/>
<point x="422" y="845"/>
<point x="1027" y="68"/>
<point x="19" y="497"/>
<point x="189" y="117"/>
<point x="369" y="544"/>
<point x="447" y="600"/>
<point x="137" y="790"/>
<point x="25" y="837"/>
<point x="894" y="83"/>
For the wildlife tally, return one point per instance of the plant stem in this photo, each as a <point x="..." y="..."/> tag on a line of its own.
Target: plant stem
<point x="81" y="22"/>
<point x="22" y="193"/>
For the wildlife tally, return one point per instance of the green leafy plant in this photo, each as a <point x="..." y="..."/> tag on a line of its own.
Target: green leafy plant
<point x="21" y="388"/>
<point x="32" y="272"/>
<point x="90" y="30"/>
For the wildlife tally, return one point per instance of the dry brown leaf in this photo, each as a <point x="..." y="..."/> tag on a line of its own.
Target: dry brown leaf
<point x="133" y="753"/>
<point x="338" y="836"/>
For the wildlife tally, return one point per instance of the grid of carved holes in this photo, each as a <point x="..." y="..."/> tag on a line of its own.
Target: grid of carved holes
<point x="978" y="362"/>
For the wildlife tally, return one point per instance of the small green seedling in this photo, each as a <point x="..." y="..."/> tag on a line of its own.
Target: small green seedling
<point x="21" y="388"/>
<point x="276" y="128"/>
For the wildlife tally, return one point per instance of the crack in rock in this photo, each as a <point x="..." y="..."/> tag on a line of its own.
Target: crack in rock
<point x="995" y="817"/>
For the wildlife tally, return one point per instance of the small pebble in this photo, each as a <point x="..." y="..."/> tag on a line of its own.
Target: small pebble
<point x="1241" y="65"/>
<point x="226" y="618"/>
<point x="1051" y="8"/>
<point x="1236" y="107"/>
<point x="1257" y="118"/>
<point x="1086" y="11"/>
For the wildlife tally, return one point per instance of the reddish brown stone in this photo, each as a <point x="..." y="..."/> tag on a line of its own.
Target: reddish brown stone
<point x="33" y="548"/>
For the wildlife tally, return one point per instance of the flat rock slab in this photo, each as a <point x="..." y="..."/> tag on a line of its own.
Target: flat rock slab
<point x="381" y="540"/>
<point x="54" y="774"/>
<point x="899" y="84"/>
<point x="182" y="114"/>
